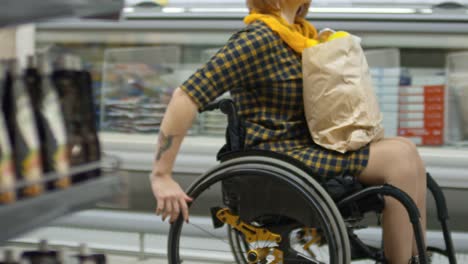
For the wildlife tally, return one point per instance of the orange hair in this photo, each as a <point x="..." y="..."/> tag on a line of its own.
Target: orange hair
<point x="264" y="6"/>
<point x="273" y="7"/>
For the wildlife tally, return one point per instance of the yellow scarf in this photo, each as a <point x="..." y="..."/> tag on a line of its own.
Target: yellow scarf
<point x="299" y="36"/>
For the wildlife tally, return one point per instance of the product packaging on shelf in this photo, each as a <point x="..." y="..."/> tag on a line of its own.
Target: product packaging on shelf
<point x="422" y="107"/>
<point x="24" y="136"/>
<point x="45" y="255"/>
<point x="137" y="86"/>
<point x="85" y="257"/>
<point x="47" y="126"/>
<point x="8" y="257"/>
<point x="64" y="80"/>
<point x="7" y="171"/>
<point x="386" y="83"/>
<point x="42" y="256"/>
<point x="88" y="124"/>
<point x="50" y="123"/>
<point x="385" y="68"/>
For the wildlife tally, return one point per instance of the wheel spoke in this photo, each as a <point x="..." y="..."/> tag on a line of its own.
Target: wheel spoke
<point x="209" y="233"/>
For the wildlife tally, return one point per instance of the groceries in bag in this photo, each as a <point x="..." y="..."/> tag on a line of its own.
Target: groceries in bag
<point x="340" y="105"/>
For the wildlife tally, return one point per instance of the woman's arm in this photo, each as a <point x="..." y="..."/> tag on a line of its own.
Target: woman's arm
<point x="229" y="69"/>
<point x="179" y="117"/>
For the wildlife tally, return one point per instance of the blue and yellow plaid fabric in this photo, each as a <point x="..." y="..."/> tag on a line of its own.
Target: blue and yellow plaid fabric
<point x="264" y="77"/>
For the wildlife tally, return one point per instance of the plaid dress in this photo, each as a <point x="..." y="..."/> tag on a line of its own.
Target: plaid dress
<point x="264" y="77"/>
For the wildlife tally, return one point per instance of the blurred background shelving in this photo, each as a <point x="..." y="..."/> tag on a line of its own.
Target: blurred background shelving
<point x="136" y="62"/>
<point x="404" y="40"/>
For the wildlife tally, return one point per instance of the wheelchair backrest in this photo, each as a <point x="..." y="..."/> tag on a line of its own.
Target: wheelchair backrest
<point x="235" y="131"/>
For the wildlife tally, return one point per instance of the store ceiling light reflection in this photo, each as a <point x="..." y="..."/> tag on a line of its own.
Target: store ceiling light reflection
<point x="128" y="10"/>
<point x="343" y="10"/>
<point x="173" y="10"/>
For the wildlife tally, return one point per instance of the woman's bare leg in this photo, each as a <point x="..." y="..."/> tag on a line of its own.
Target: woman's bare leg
<point x="397" y="163"/>
<point x="421" y="190"/>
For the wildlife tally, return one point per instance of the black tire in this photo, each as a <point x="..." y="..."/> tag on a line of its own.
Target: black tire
<point x="332" y="223"/>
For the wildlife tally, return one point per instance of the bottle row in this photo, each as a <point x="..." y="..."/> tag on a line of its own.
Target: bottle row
<point x="47" y="126"/>
<point x="45" y="255"/>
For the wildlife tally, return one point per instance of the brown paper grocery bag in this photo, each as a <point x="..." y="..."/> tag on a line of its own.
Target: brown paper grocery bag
<point x="340" y="105"/>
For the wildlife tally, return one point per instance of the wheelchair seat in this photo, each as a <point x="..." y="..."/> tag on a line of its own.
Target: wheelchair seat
<point x="337" y="187"/>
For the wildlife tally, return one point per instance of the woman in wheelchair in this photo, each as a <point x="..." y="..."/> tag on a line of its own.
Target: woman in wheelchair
<point x="264" y="77"/>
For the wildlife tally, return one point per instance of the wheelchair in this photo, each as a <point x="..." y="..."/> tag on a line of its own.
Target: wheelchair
<point x="272" y="210"/>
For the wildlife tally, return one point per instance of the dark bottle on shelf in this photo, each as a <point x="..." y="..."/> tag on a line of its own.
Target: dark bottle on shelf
<point x="32" y="83"/>
<point x="88" y="117"/>
<point x="64" y="81"/>
<point x="8" y="257"/>
<point x="23" y="134"/>
<point x="31" y="80"/>
<point x="42" y="256"/>
<point x="84" y="257"/>
<point x="50" y="121"/>
<point x="7" y="167"/>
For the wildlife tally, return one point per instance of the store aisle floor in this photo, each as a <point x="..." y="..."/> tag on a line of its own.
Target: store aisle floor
<point x="122" y="248"/>
<point x="117" y="259"/>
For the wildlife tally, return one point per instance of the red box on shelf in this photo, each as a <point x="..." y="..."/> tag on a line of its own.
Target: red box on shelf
<point x="423" y="136"/>
<point x="422" y="120"/>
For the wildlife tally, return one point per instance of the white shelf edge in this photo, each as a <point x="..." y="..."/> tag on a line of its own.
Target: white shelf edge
<point x="25" y="215"/>
<point x="449" y="166"/>
<point x="27" y="11"/>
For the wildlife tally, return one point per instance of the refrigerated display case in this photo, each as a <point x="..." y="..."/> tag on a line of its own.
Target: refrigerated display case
<point x="457" y="73"/>
<point x="136" y="88"/>
<point x="385" y="69"/>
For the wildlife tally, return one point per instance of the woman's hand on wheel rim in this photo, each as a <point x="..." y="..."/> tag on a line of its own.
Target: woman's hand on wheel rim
<point x="171" y="199"/>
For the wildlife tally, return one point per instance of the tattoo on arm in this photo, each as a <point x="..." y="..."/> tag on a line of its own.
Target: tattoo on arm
<point x="165" y="143"/>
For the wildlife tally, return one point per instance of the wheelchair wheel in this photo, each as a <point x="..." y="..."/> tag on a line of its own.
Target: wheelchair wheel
<point x="259" y="210"/>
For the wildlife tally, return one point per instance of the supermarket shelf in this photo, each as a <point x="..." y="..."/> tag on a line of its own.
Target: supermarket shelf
<point x="448" y="165"/>
<point x="312" y="16"/>
<point x="398" y="33"/>
<point x="31" y="213"/>
<point x="380" y="23"/>
<point x="23" y="11"/>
